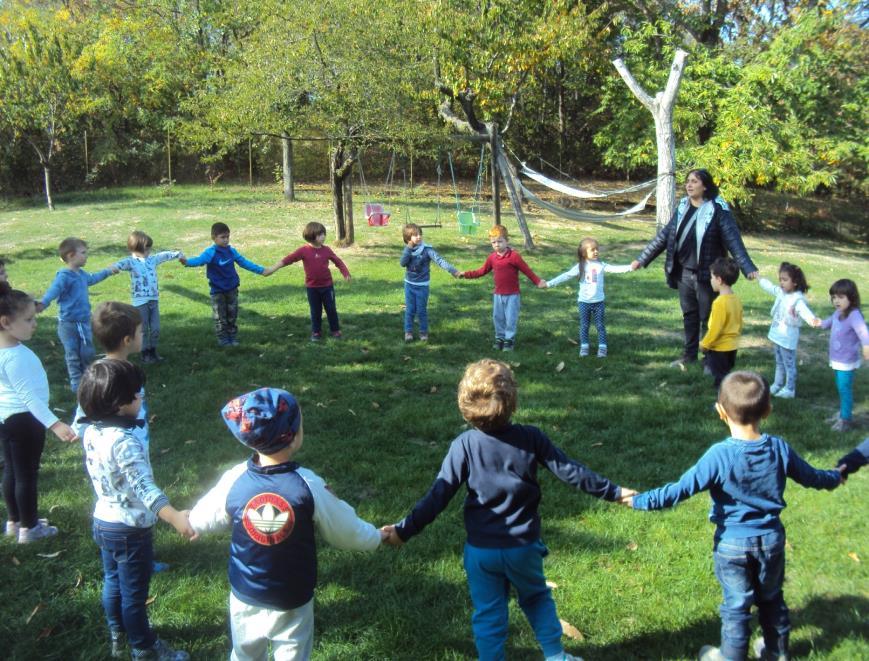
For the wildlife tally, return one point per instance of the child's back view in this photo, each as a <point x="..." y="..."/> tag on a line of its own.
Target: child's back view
<point x="274" y="505"/>
<point x="746" y="476"/>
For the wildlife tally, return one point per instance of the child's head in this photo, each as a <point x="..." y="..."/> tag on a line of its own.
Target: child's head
<point x="265" y="420"/>
<point x="111" y="387"/>
<point x="487" y="394"/>
<point x="3" y="276"/>
<point x="220" y="234"/>
<point x="409" y="231"/>
<point x="17" y="313"/>
<point x="588" y="249"/>
<point x="744" y="396"/>
<point x="499" y="238"/>
<point x="116" y="326"/>
<point x="71" y="248"/>
<point x="725" y="269"/>
<point x="141" y="243"/>
<point x="845" y="297"/>
<point x="791" y="278"/>
<point x="312" y="231"/>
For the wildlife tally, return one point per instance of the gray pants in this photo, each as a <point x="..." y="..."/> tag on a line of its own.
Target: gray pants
<point x="150" y="312"/>
<point x="224" y="309"/>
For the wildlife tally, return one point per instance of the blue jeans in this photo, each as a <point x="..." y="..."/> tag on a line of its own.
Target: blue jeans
<point x="845" y="386"/>
<point x="127" y="554"/>
<point x="751" y="572"/>
<point x="77" y="339"/>
<point x="319" y="298"/>
<point x="785" y="368"/>
<point x="150" y="311"/>
<point x="505" y="315"/>
<point x="490" y="574"/>
<point x="598" y="312"/>
<point x="415" y="304"/>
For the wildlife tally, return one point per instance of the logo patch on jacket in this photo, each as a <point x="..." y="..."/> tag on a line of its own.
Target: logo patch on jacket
<point x="268" y="519"/>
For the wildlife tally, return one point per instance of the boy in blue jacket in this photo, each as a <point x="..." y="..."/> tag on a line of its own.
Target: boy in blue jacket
<point x="220" y="260"/>
<point x="416" y="258"/>
<point x="274" y="505"/>
<point x="70" y="288"/>
<point x="746" y="476"/>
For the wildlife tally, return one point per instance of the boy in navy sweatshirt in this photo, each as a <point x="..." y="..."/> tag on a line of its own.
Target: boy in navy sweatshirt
<point x="498" y="462"/>
<point x="274" y="505"/>
<point x="223" y="280"/>
<point x="746" y="476"/>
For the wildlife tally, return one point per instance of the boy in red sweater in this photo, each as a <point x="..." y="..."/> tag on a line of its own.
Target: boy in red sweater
<point x="315" y="257"/>
<point x="505" y="264"/>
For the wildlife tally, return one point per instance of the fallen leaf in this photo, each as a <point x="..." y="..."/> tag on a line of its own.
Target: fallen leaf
<point x="405" y="358"/>
<point x="682" y="367"/>
<point x="515" y="364"/>
<point x="375" y="405"/>
<point x="364" y="349"/>
<point x="165" y="450"/>
<point x="662" y="384"/>
<point x="321" y="405"/>
<point x="596" y="445"/>
<point x="45" y="633"/>
<point x="551" y="585"/>
<point x="60" y="410"/>
<point x="190" y="442"/>
<point x="433" y="389"/>
<point x="16" y="561"/>
<point x="632" y="546"/>
<point x="854" y="556"/>
<point x="49" y="555"/>
<point x="352" y="412"/>
<point x="152" y="418"/>
<point x="53" y="508"/>
<point x="560" y="366"/>
<point x="32" y="613"/>
<point x="548" y="353"/>
<point x="573" y="342"/>
<point x="571" y="631"/>
<point x="78" y="580"/>
<point x="150" y="600"/>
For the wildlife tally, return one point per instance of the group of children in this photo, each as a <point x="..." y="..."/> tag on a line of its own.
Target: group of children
<point x="274" y="505"/>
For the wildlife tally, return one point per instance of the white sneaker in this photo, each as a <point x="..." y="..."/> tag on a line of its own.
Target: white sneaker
<point x="784" y="393"/>
<point x="774" y="388"/>
<point x="564" y="656"/>
<point x="37" y="532"/>
<point x="583" y="350"/>
<point x="710" y="653"/>
<point x="12" y="529"/>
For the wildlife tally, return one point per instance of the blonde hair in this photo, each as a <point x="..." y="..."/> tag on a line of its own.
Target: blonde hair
<point x="139" y="241"/>
<point x="498" y="231"/>
<point x="488" y="394"/>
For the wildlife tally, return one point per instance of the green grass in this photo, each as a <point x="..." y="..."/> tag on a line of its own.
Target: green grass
<point x="379" y="416"/>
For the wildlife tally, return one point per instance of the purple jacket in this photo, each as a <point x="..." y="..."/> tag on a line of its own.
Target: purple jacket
<point x="846" y="339"/>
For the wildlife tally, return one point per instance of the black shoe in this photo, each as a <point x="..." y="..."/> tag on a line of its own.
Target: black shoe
<point x="119" y="644"/>
<point x="508" y="345"/>
<point x="498" y="343"/>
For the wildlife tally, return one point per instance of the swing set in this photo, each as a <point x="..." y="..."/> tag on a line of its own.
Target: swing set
<point x="468" y="219"/>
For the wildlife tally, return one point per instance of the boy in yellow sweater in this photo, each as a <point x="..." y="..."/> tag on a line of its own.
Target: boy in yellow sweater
<point x="725" y="320"/>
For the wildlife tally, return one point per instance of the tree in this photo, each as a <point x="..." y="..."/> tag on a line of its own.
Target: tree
<point x="39" y="97"/>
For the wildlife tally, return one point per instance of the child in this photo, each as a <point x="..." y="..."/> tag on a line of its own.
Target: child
<point x="854" y="460"/>
<point x="274" y="505"/>
<point x="70" y="288"/>
<point x="223" y="281"/>
<point x="590" y="271"/>
<point x="128" y="504"/>
<point x="315" y="257"/>
<point x="725" y="320"/>
<point x="790" y="304"/>
<point x="506" y="264"/>
<point x="498" y="460"/>
<point x="849" y="332"/>
<point x="746" y="477"/>
<point x="416" y="258"/>
<point x="142" y="266"/>
<point x="24" y="416"/>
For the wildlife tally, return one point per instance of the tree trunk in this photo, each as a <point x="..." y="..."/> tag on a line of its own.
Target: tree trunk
<point x="47" y="172"/>
<point x="510" y="183"/>
<point x="348" y="208"/>
<point x="661" y="108"/>
<point x="340" y="169"/>
<point x="287" y="148"/>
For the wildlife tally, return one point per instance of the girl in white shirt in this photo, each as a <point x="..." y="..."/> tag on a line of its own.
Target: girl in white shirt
<point x="590" y="271"/>
<point x="24" y="416"/>
<point x="790" y="306"/>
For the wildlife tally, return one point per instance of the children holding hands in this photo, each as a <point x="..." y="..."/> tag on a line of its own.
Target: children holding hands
<point x="142" y="266"/>
<point x="590" y="299"/>
<point x="416" y="258"/>
<point x="315" y="257"/>
<point x="220" y="260"/>
<point x="274" y="506"/>
<point x="505" y="263"/>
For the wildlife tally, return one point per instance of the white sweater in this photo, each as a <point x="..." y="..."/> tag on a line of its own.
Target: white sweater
<point x="23" y="385"/>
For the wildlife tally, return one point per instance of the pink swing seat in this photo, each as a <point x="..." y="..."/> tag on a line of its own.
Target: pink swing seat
<point x="376" y="215"/>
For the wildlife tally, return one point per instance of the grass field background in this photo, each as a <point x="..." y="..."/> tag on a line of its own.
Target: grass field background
<point x="380" y="414"/>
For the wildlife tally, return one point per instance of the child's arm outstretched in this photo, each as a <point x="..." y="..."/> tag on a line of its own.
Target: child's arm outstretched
<point x="440" y="261"/>
<point x="339" y="264"/>
<point x="480" y="272"/>
<point x="618" y="268"/>
<point x="336" y="520"/>
<point x="569" y="274"/>
<point x="200" y="260"/>
<point x="574" y="473"/>
<point x="245" y="263"/>
<point x="20" y="374"/>
<point x="210" y="513"/>
<point x="696" y="479"/>
<point x="854" y="460"/>
<point x="293" y="257"/>
<point x="531" y="275"/>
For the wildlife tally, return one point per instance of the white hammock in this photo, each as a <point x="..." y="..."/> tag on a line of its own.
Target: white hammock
<point x="574" y="214"/>
<point x="577" y="192"/>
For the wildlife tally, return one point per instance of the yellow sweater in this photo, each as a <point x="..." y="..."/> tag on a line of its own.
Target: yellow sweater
<point x="725" y="324"/>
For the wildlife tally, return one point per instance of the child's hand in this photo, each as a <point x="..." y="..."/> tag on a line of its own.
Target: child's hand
<point x="843" y="473"/>
<point x="817" y="323"/>
<point x="866" y="352"/>
<point x="627" y="497"/>
<point x="64" y="432"/>
<point x="347" y="279"/>
<point x="635" y="265"/>
<point x="195" y="535"/>
<point x="183" y="260"/>
<point x="456" y="274"/>
<point x="114" y="269"/>
<point x="267" y="272"/>
<point x="389" y="536"/>
<point x="39" y="307"/>
<point x="754" y="275"/>
<point x="542" y="284"/>
<point x="181" y="523"/>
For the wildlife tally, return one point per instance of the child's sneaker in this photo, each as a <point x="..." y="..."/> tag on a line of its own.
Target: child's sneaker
<point x="336" y="335"/>
<point x="157" y="567"/>
<point x="12" y="528"/>
<point x="118" y="644"/>
<point x="40" y="531"/>
<point x="316" y="336"/>
<point x="159" y="652"/>
<point x="408" y="337"/>
<point x="508" y="345"/>
<point x="147" y="357"/>
<point x="563" y="656"/>
<point x="233" y="342"/>
<point x="842" y="425"/>
<point x="759" y="649"/>
<point x="710" y="653"/>
<point x="423" y="337"/>
<point x="601" y="351"/>
<point x="498" y="343"/>
<point x="583" y="350"/>
<point x="774" y="388"/>
<point x="784" y="393"/>
<point x="157" y="357"/>
<point x="223" y="341"/>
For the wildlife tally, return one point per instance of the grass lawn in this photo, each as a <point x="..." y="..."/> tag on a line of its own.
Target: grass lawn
<point x="380" y="414"/>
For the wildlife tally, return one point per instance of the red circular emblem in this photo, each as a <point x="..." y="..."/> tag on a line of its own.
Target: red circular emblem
<point x="268" y="519"/>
